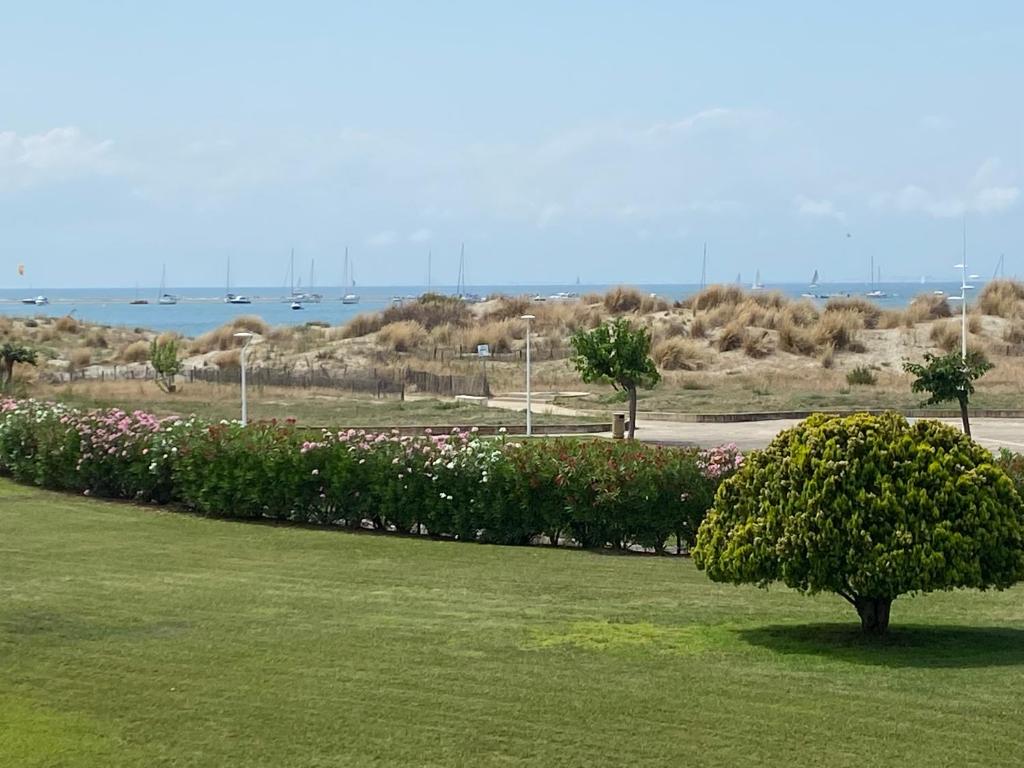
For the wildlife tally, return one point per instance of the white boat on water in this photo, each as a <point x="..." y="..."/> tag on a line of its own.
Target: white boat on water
<point x="757" y="285"/>
<point x="38" y="301"/>
<point x="233" y="298"/>
<point x="296" y="295"/>
<point x="162" y="297"/>
<point x="876" y="292"/>
<point x="296" y="305"/>
<point x="348" y="280"/>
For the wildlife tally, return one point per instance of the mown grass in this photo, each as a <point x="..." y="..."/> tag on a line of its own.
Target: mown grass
<point x="135" y="637"/>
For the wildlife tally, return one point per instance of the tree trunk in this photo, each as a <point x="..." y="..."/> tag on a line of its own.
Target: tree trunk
<point x="963" y="416"/>
<point x="874" y="614"/>
<point x="632" y="411"/>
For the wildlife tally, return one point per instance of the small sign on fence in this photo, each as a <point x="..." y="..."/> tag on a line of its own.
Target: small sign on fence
<point x="483" y="350"/>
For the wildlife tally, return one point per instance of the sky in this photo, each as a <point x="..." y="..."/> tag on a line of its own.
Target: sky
<point x="605" y="141"/>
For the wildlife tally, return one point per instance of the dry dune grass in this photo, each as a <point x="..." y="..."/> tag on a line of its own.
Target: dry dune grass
<point x="715" y="296"/>
<point x="223" y="338"/>
<point x="622" y="299"/>
<point x="80" y="358"/>
<point x="837" y="327"/>
<point x="226" y="359"/>
<point x="1002" y="298"/>
<point x="96" y="339"/>
<point x="653" y="303"/>
<point x="758" y="344"/>
<point x="927" y="307"/>
<point x="868" y="310"/>
<point x="362" y="325"/>
<point x="797" y="339"/>
<point x="731" y="337"/>
<point x="402" y="335"/>
<point x="429" y="311"/>
<point x="509" y="307"/>
<point x="136" y="352"/>
<point x="66" y="324"/>
<point x="499" y="335"/>
<point x="1014" y="332"/>
<point x="946" y="334"/>
<point x="679" y="354"/>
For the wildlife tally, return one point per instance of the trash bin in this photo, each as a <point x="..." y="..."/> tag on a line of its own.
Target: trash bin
<point x="618" y="425"/>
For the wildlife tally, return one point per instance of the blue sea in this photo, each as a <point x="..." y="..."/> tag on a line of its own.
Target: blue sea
<point x="202" y="309"/>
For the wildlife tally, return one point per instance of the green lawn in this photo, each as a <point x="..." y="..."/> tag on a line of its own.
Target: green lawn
<point x="135" y="637"/>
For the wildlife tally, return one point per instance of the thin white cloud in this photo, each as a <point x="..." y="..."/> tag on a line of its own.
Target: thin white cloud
<point x="807" y="206"/>
<point x="382" y="239"/>
<point x="990" y="190"/>
<point x="917" y="200"/>
<point x="690" y="122"/>
<point x="421" y="235"/>
<point x="995" y="199"/>
<point x="54" y="155"/>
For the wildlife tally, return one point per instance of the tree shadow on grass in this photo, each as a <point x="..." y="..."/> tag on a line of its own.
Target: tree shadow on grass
<point x="904" y="646"/>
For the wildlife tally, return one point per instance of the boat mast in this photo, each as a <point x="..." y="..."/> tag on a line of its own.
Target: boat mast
<point x="704" y="268"/>
<point x="429" y="257"/>
<point x="460" y="287"/>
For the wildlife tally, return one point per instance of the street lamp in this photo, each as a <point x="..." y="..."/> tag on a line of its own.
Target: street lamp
<point x="529" y="414"/>
<point x="962" y="298"/>
<point x="245" y="405"/>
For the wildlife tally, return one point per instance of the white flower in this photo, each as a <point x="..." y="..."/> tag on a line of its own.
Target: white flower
<point x="315" y="472"/>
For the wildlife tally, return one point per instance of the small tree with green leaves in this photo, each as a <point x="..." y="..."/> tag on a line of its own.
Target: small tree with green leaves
<point x="163" y="356"/>
<point x="10" y="354"/>
<point x="619" y="354"/>
<point x="868" y="508"/>
<point x="949" y="377"/>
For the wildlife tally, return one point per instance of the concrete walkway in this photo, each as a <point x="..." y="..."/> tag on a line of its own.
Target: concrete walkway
<point x="748" y="435"/>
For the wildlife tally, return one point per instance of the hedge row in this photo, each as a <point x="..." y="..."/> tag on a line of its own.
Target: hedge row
<point x="586" y="493"/>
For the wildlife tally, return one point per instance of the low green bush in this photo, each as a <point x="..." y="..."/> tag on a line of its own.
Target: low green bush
<point x="861" y="375"/>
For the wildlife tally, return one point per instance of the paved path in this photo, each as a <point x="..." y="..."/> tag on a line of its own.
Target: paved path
<point x="992" y="433"/>
<point x="748" y="435"/>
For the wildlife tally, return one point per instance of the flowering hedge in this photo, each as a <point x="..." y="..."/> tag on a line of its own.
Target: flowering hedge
<point x="589" y="493"/>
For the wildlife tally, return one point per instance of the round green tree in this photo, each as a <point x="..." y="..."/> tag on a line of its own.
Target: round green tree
<point x="870" y="508"/>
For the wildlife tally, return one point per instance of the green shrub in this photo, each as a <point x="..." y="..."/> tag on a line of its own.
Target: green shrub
<point x="587" y="493"/>
<point x="861" y="375"/>
<point x="869" y="508"/>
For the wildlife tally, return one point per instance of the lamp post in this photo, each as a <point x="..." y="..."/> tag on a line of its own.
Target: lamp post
<point x="245" y="346"/>
<point x="962" y="298"/>
<point x="529" y="414"/>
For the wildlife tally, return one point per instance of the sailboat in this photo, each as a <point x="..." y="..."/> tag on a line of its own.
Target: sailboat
<point x="232" y="298"/>
<point x="348" y="279"/>
<point x="875" y="292"/>
<point x="162" y="297"/>
<point x="809" y="294"/>
<point x="296" y="297"/>
<point x="757" y="285"/>
<point x="460" y="286"/>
